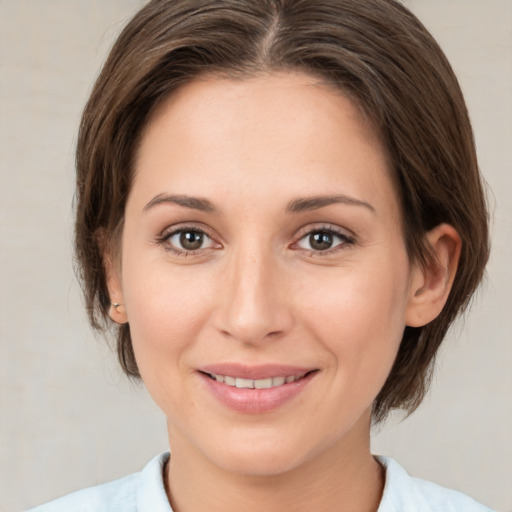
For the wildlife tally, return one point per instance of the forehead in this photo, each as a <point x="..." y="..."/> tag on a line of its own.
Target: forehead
<point x="286" y="130"/>
<point x="265" y="98"/>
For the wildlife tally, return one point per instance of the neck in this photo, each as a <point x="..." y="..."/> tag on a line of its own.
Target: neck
<point x="342" y="477"/>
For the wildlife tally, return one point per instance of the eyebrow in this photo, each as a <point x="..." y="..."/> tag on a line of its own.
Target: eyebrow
<point x="296" y="206"/>
<point x="316" y="202"/>
<point x="194" y="203"/>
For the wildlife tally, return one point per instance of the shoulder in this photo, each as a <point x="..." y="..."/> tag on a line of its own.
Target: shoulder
<point x="409" y="494"/>
<point x="113" y="496"/>
<point x="138" y="492"/>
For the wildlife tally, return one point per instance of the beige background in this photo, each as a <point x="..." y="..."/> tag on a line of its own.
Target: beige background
<point x="69" y="419"/>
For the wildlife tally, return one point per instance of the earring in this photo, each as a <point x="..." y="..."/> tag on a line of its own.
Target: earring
<point x="117" y="315"/>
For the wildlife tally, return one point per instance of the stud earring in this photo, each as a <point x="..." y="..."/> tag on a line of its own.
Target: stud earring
<point x="117" y="315"/>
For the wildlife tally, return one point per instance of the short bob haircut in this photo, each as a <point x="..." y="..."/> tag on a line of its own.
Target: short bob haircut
<point x="375" y="52"/>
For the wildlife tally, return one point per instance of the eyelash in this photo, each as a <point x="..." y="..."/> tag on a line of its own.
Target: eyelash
<point x="330" y="230"/>
<point x="164" y="240"/>
<point x="345" y="239"/>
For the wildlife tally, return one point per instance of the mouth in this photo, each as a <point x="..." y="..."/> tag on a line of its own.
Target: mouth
<point x="256" y="390"/>
<point x="267" y="383"/>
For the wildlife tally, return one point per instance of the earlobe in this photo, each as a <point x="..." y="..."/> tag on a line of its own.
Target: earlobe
<point x="117" y="311"/>
<point x="431" y="284"/>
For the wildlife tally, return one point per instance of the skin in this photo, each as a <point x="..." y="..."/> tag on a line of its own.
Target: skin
<point x="258" y="292"/>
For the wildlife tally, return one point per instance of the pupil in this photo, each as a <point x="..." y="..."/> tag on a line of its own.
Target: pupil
<point x="191" y="240"/>
<point x="320" y="241"/>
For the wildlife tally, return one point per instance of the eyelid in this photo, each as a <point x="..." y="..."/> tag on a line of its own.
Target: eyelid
<point x="346" y="235"/>
<point x="324" y="226"/>
<point x="183" y="226"/>
<point x="168" y="232"/>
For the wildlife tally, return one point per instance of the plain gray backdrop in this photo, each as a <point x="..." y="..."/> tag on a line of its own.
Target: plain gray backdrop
<point x="69" y="418"/>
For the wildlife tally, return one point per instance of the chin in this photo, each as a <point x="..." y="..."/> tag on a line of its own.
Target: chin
<point x="268" y="455"/>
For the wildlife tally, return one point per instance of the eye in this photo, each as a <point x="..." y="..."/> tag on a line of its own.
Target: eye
<point x="188" y="240"/>
<point x="323" y="240"/>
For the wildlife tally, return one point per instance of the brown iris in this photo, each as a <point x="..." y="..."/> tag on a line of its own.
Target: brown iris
<point x="320" y="240"/>
<point x="191" y="240"/>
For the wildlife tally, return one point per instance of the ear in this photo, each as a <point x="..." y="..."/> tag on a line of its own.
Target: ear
<point x="431" y="285"/>
<point x="117" y="311"/>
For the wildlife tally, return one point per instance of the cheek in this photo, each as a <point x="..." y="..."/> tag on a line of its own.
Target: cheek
<point x="360" y="317"/>
<point x="166" y="311"/>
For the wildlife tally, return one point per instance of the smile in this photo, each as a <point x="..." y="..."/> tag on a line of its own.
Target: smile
<point x="239" y="382"/>
<point x="256" y="389"/>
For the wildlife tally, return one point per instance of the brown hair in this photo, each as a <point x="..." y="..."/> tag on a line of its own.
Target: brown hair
<point x="376" y="51"/>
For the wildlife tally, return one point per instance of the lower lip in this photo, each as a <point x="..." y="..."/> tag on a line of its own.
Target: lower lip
<point x="256" y="401"/>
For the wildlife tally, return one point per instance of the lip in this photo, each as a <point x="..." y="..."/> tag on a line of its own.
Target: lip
<point x="255" y="401"/>
<point x="243" y="371"/>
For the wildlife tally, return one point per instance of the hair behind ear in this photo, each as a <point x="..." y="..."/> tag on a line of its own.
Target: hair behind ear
<point x="430" y="295"/>
<point x="432" y="281"/>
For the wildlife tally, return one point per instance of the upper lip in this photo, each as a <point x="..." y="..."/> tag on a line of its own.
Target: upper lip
<point x="256" y="372"/>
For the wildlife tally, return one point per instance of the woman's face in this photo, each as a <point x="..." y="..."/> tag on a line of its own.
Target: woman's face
<point x="263" y="271"/>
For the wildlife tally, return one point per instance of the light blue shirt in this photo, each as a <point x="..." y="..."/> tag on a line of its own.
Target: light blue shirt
<point x="145" y="492"/>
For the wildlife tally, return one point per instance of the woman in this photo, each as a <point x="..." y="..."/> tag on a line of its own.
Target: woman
<point x="279" y="205"/>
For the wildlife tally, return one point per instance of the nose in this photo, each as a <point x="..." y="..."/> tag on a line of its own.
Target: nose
<point x="253" y="299"/>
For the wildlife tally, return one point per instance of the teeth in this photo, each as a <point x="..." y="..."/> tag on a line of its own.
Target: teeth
<point x="256" y="383"/>
<point x="230" y="380"/>
<point x="263" y="383"/>
<point x="244" y="383"/>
